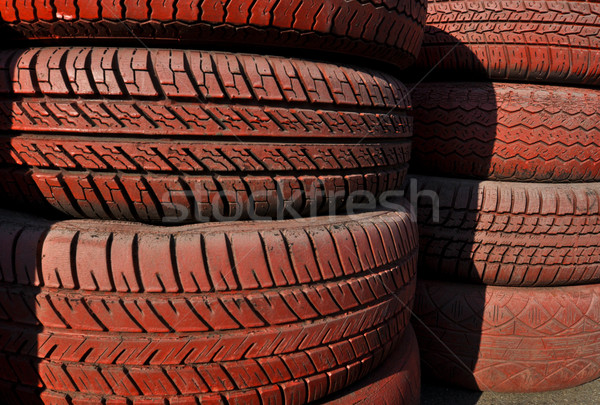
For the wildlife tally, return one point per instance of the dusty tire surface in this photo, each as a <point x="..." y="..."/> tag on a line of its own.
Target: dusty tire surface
<point x="149" y="134"/>
<point x="238" y="313"/>
<point x="535" y="41"/>
<point x="507" y="131"/>
<point x="395" y="382"/>
<point x="389" y="30"/>
<point x="509" y="234"/>
<point x="509" y="339"/>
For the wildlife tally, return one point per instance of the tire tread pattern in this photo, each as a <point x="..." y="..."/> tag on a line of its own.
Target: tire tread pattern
<point x="529" y="340"/>
<point x="510" y="234"/>
<point x="389" y="30"/>
<point x="507" y="132"/>
<point x="539" y="41"/>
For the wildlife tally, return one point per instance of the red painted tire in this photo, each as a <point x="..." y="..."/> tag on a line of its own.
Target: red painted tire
<point x="535" y="41"/>
<point x="509" y="339"/>
<point x="505" y="131"/>
<point x="396" y="382"/>
<point x="271" y="311"/>
<point x="190" y="136"/>
<point x="510" y="234"/>
<point x="389" y="30"/>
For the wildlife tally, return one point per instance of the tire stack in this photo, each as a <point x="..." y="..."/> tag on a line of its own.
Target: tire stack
<point x="507" y="138"/>
<point x="172" y="128"/>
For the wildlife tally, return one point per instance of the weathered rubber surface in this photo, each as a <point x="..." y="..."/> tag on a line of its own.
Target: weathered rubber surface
<point x="303" y="376"/>
<point x="270" y="311"/>
<point x="534" y="41"/>
<point x="509" y="234"/>
<point x="389" y="30"/>
<point x="509" y="339"/>
<point x="141" y="135"/>
<point x="506" y="131"/>
<point x="396" y="382"/>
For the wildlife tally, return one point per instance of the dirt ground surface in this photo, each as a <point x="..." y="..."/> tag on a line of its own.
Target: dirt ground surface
<point x="434" y="393"/>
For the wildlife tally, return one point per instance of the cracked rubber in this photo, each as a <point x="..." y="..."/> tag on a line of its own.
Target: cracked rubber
<point x="506" y="131"/>
<point x="190" y="136"/>
<point x="396" y="382"/>
<point x="253" y="311"/>
<point x="534" y="41"/>
<point x="509" y="339"/>
<point x="388" y="30"/>
<point x="509" y="234"/>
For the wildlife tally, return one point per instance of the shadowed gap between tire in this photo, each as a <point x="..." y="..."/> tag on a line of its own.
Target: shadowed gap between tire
<point x="444" y="137"/>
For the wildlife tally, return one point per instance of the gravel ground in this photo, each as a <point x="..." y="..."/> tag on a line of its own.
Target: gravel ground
<point x="436" y="394"/>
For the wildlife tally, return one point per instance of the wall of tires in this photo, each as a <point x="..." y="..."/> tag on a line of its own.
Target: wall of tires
<point x="507" y="137"/>
<point x="293" y="202"/>
<point x="175" y="177"/>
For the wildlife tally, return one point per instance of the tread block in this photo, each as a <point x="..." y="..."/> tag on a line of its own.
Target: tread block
<point x="510" y="234"/>
<point x="512" y="339"/>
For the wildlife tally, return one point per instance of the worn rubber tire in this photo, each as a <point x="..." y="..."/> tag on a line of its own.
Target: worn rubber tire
<point x="509" y="234"/>
<point x="95" y="310"/>
<point x="509" y="339"/>
<point x="190" y="136"/>
<point x="396" y="382"/>
<point x="505" y="131"/>
<point x="535" y="41"/>
<point x="389" y="30"/>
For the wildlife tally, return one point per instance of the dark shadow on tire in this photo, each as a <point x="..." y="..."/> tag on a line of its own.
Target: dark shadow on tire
<point x="18" y="190"/>
<point x="455" y="132"/>
<point x="20" y="322"/>
<point x="20" y="256"/>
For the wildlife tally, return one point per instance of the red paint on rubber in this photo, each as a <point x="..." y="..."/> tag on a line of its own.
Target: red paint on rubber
<point x="396" y="382"/>
<point x="390" y="30"/>
<point x="505" y="131"/>
<point x="509" y="339"/>
<point x="225" y="312"/>
<point x="509" y="234"/>
<point x="534" y="41"/>
<point x="144" y="135"/>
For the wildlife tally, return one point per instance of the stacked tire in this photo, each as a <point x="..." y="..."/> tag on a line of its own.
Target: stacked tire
<point x="507" y="175"/>
<point x="168" y="239"/>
